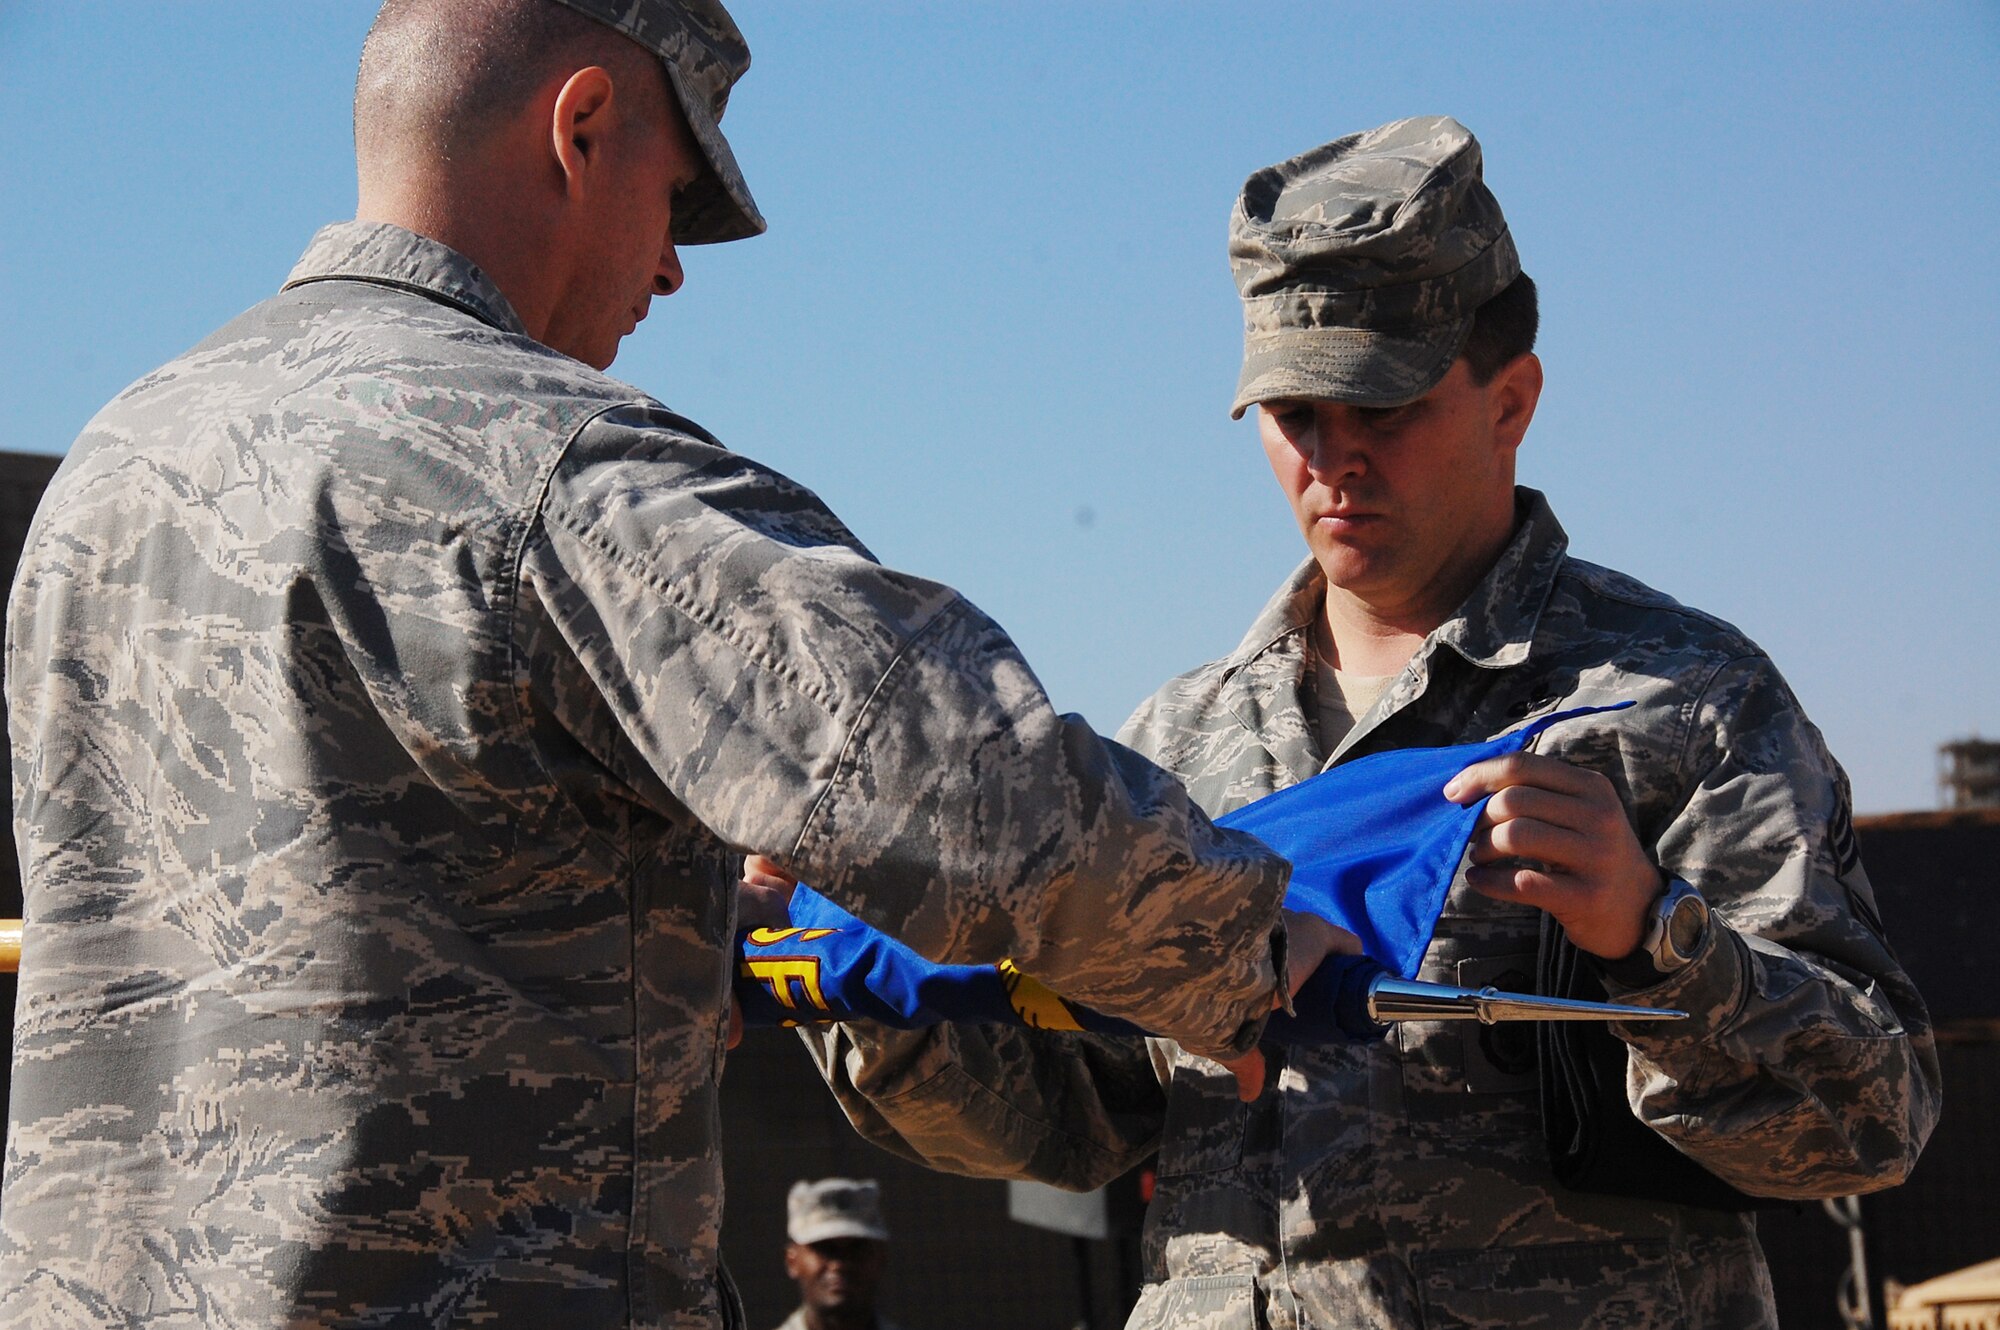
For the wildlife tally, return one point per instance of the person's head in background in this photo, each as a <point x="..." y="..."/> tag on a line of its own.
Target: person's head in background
<point x="837" y="1251"/>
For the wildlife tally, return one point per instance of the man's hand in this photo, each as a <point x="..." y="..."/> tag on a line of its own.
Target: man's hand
<point x="764" y="896"/>
<point x="1555" y="836"/>
<point x="763" y="900"/>
<point x="1309" y="940"/>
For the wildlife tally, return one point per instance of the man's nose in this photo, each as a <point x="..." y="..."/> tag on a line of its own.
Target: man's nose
<point x="667" y="277"/>
<point x="1337" y="450"/>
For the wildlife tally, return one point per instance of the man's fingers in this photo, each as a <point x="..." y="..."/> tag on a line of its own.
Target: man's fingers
<point x="1344" y="944"/>
<point x="1538" y="804"/>
<point x="763" y="900"/>
<point x="1249" y="1073"/>
<point x="763" y="907"/>
<point x="1309" y="940"/>
<point x="761" y="872"/>
<point x="1484" y="778"/>
<point x="1524" y="838"/>
<point x="1557" y="837"/>
<point x="1512" y="881"/>
<point x="764" y="896"/>
<point x="1515" y="769"/>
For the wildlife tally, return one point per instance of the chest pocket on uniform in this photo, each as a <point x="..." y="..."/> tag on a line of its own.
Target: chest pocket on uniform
<point x="1499" y="1058"/>
<point x="1205" y="1121"/>
<point x="1456" y="1058"/>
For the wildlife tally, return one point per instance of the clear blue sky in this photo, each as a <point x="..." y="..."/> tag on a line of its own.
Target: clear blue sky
<point x="993" y="325"/>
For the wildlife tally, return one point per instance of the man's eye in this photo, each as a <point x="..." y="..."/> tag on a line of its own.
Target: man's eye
<point x="1292" y="419"/>
<point x="1383" y="417"/>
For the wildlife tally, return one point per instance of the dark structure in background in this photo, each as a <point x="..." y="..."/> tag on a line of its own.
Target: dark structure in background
<point x="958" y="1261"/>
<point x="1969" y="774"/>
<point x="1937" y="877"/>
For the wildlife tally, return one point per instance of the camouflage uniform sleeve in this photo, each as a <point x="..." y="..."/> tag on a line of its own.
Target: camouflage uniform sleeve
<point x="1070" y="1110"/>
<point x="882" y="739"/>
<point x="1808" y="1068"/>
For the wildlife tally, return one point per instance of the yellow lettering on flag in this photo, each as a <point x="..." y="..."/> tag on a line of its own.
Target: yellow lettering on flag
<point x="781" y="972"/>
<point x="771" y="937"/>
<point x="1033" y="1001"/>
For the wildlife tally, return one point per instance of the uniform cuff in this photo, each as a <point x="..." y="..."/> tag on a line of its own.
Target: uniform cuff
<point x="1709" y="988"/>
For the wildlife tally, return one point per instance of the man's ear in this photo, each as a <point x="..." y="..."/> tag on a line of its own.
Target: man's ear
<point x="578" y="124"/>
<point x="1515" y="391"/>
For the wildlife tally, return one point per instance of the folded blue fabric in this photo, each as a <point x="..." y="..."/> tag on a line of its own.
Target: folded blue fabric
<point x="1374" y="846"/>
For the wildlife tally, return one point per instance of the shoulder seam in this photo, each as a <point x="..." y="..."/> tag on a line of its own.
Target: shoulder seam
<point x="1582" y="570"/>
<point x="677" y="598"/>
<point x="851" y="741"/>
<point x="1693" y="711"/>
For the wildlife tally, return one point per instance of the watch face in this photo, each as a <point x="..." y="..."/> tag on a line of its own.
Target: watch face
<point x="1686" y="925"/>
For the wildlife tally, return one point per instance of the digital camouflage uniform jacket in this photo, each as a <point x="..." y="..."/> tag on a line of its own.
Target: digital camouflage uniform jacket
<point x="1406" y="1184"/>
<point x="392" y="700"/>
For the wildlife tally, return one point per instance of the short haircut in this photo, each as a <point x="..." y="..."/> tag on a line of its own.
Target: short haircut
<point x="438" y="75"/>
<point x="1503" y="330"/>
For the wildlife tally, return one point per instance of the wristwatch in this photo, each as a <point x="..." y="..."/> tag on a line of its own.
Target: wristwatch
<point x="1676" y="926"/>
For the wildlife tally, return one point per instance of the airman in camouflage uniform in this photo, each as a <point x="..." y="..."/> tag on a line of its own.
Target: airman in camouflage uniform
<point x="1407" y="1184"/>
<point x="392" y="697"/>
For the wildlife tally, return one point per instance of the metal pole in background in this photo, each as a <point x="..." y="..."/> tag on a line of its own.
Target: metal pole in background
<point x="1851" y="1294"/>
<point x="1086" y="1295"/>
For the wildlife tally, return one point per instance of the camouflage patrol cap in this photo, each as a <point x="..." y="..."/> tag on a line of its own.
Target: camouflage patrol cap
<point x="1361" y="262"/>
<point x="835" y="1208"/>
<point x="704" y="54"/>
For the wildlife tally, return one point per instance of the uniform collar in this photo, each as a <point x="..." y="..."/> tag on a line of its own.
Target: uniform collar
<point x="1495" y="627"/>
<point x="390" y="256"/>
<point x="1264" y="678"/>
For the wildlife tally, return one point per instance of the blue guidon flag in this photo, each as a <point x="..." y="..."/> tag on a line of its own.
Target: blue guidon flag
<point x="1374" y="846"/>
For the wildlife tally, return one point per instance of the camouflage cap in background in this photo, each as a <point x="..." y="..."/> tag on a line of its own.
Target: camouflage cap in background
<point x="835" y="1208"/>
<point x="704" y="54"/>
<point x="1360" y="264"/>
